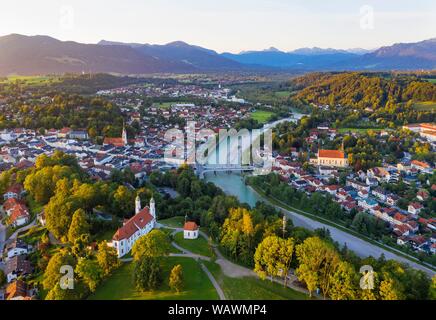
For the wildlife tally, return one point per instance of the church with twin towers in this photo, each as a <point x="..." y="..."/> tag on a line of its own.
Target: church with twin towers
<point x="137" y="226"/>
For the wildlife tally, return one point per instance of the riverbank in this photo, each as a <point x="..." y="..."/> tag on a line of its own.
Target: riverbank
<point x="361" y="245"/>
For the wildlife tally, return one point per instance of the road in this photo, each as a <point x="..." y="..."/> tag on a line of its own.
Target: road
<point x="359" y="246"/>
<point x="228" y="268"/>
<point x="2" y="244"/>
<point x="2" y="237"/>
<point x="25" y="228"/>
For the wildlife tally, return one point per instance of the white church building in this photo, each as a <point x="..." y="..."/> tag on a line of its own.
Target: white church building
<point x="140" y="224"/>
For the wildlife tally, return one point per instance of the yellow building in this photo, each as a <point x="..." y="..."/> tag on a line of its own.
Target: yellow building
<point x="330" y="158"/>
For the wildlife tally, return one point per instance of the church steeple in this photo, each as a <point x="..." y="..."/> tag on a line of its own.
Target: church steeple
<point x="153" y="207"/>
<point x="138" y="207"/>
<point x="124" y="135"/>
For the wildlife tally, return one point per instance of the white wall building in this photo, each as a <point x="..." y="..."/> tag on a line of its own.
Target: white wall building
<point x="139" y="225"/>
<point x="190" y="230"/>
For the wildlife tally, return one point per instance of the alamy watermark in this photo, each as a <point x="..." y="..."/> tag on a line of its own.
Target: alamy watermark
<point x="367" y="279"/>
<point x="227" y="149"/>
<point x="367" y="17"/>
<point x="66" y="18"/>
<point x="66" y="282"/>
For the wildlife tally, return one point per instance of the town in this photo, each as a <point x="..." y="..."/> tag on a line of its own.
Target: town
<point x="317" y="162"/>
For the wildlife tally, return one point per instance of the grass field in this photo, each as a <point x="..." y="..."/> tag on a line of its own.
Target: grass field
<point x="105" y="235"/>
<point x="165" y="105"/>
<point x="251" y="288"/>
<point x="198" y="246"/>
<point x="174" y="222"/>
<point x="358" y="130"/>
<point x="261" y="116"/>
<point x="31" y="80"/>
<point x="120" y="285"/>
<point x="430" y="80"/>
<point x="282" y="94"/>
<point x="425" y="106"/>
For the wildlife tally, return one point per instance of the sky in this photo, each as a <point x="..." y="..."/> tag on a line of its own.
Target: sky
<point x="226" y="25"/>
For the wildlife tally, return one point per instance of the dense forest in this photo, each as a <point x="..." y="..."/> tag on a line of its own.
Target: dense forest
<point x="363" y="90"/>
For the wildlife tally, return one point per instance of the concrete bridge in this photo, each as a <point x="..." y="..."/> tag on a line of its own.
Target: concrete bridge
<point x="202" y="169"/>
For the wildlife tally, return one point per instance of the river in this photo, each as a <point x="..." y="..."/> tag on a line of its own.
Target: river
<point x="233" y="184"/>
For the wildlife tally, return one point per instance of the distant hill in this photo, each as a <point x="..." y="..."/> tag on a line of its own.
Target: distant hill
<point x="195" y="56"/>
<point x="317" y="51"/>
<point x="400" y="56"/>
<point x="32" y="55"/>
<point x="307" y="60"/>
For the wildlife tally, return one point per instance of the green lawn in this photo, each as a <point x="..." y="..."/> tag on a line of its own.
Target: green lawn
<point x="251" y="288"/>
<point x="430" y="80"/>
<point x="31" y="80"/>
<point x="358" y="130"/>
<point x="198" y="246"/>
<point x="262" y="116"/>
<point x="282" y="94"/>
<point x="173" y="222"/>
<point x="425" y="106"/>
<point x="105" y="235"/>
<point x="120" y="285"/>
<point x="165" y="105"/>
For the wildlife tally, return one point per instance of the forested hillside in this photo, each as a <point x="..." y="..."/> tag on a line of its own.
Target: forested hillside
<point x="363" y="90"/>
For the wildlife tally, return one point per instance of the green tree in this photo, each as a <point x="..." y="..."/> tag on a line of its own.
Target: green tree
<point x="318" y="261"/>
<point x="343" y="282"/>
<point x="154" y="244"/>
<point x="90" y="272"/>
<point x="57" y="293"/>
<point x="147" y="273"/>
<point x="52" y="273"/>
<point x="176" y="278"/>
<point x="432" y="290"/>
<point x="273" y="257"/>
<point x="2" y="278"/>
<point x="107" y="258"/>
<point x="390" y="289"/>
<point x="79" y="226"/>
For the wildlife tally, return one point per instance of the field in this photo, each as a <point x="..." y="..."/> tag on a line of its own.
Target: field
<point x="198" y="246"/>
<point x="431" y="80"/>
<point x="425" y="106"/>
<point x="120" y="285"/>
<point x="30" y="80"/>
<point x="165" y="105"/>
<point x="261" y="116"/>
<point x="251" y="288"/>
<point x="358" y="130"/>
<point x="174" y="222"/>
<point x="282" y="94"/>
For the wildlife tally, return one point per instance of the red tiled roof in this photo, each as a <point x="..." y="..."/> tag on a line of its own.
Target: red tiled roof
<point x="65" y="130"/>
<point x="416" y="205"/>
<point x="16" y="289"/>
<point x="190" y="226"/>
<point x="420" y="164"/>
<point x="400" y="217"/>
<point x="118" y="142"/>
<point x="10" y="203"/>
<point x="331" y="154"/>
<point x="19" y="211"/>
<point x="138" y="221"/>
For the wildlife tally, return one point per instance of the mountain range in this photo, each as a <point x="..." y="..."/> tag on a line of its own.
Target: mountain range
<point x="35" y="55"/>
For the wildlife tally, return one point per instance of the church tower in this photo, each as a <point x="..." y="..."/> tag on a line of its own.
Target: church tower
<point x="124" y="135"/>
<point x="138" y="207"/>
<point x="153" y="208"/>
